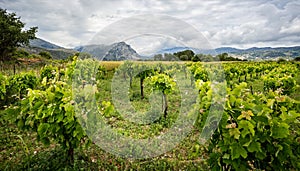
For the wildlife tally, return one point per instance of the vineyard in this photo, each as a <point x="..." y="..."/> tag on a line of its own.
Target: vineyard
<point x="227" y="116"/>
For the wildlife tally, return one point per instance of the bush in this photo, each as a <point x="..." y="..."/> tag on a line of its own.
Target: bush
<point x="297" y="58"/>
<point x="3" y="83"/>
<point x="45" y="55"/>
<point x="48" y="72"/>
<point x="18" y="85"/>
<point x="50" y="112"/>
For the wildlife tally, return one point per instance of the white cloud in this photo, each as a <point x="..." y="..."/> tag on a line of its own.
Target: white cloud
<point x="223" y="23"/>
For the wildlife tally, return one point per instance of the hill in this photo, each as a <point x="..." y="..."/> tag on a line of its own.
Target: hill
<point x="57" y="52"/>
<point x="43" y="44"/>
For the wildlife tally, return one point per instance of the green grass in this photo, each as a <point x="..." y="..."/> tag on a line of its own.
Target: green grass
<point x="14" y="156"/>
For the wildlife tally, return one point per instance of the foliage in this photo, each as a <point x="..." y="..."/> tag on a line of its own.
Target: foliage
<point x="18" y="85"/>
<point x="48" y="72"/>
<point x="297" y="58"/>
<point x="21" y="53"/>
<point x="257" y="132"/>
<point x="185" y="55"/>
<point x="164" y="84"/>
<point x="12" y="34"/>
<point x="50" y="112"/>
<point x="45" y="55"/>
<point x="143" y="71"/>
<point x="226" y="57"/>
<point x="3" y="83"/>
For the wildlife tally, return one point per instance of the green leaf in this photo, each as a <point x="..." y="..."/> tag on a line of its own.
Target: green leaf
<point x="254" y="146"/>
<point x="278" y="150"/>
<point x="59" y="117"/>
<point x="270" y="103"/>
<point x="235" y="132"/>
<point x="42" y="129"/>
<point x="280" y="130"/>
<point x="246" y="114"/>
<point x="20" y="123"/>
<point x="260" y="155"/>
<point x="37" y="105"/>
<point x="237" y="150"/>
<point x="45" y="141"/>
<point x="226" y="156"/>
<point x="247" y="127"/>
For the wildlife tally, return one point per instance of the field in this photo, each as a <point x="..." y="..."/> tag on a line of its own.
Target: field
<point x="224" y="116"/>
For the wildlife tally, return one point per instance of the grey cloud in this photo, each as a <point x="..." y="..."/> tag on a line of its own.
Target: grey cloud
<point x="224" y="23"/>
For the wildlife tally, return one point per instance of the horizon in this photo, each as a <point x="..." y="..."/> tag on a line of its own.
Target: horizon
<point x="279" y="46"/>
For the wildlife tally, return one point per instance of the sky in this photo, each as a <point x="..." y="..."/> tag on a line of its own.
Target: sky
<point x="224" y="23"/>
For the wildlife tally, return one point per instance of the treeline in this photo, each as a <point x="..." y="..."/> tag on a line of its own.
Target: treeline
<point x="189" y="55"/>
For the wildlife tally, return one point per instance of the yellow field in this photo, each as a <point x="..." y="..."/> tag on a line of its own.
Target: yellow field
<point x="110" y="65"/>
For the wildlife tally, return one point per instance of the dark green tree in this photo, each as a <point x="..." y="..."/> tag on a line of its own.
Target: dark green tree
<point x="143" y="71"/>
<point x="158" y="57"/>
<point x="190" y="54"/>
<point x="45" y="55"/>
<point x="12" y="34"/>
<point x="297" y="58"/>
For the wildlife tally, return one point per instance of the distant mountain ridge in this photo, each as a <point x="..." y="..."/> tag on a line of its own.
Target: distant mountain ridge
<point x="123" y="51"/>
<point x="250" y="53"/>
<point x="266" y="52"/>
<point x="57" y="52"/>
<point x="43" y="44"/>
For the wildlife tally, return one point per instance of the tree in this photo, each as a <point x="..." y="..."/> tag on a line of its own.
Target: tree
<point x="158" y="57"/>
<point x="297" y="58"/>
<point x="170" y="57"/>
<point x="12" y="34"/>
<point x="143" y="71"/>
<point x="45" y="55"/>
<point x="184" y="58"/>
<point x="164" y="84"/>
<point x="195" y="58"/>
<point x="190" y="54"/>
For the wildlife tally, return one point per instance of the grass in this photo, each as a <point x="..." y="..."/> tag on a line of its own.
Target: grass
<point x="13" y="156"/>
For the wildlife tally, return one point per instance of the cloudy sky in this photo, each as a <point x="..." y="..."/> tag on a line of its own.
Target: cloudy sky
<point x="235" y="23"/>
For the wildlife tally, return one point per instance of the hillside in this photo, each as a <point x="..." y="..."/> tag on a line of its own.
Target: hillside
<point x="57" y="52"/>
<point x="43" y="44"/>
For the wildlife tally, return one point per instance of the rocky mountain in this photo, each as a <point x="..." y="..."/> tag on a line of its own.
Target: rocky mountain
<point x="57" y="52"/>
<point x="115" y="52"/>
<point x="43" y="44"/>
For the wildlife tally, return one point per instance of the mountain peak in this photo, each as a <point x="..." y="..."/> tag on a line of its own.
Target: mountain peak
<point x="121" y="51"/>
<point x="114" y="52"/>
